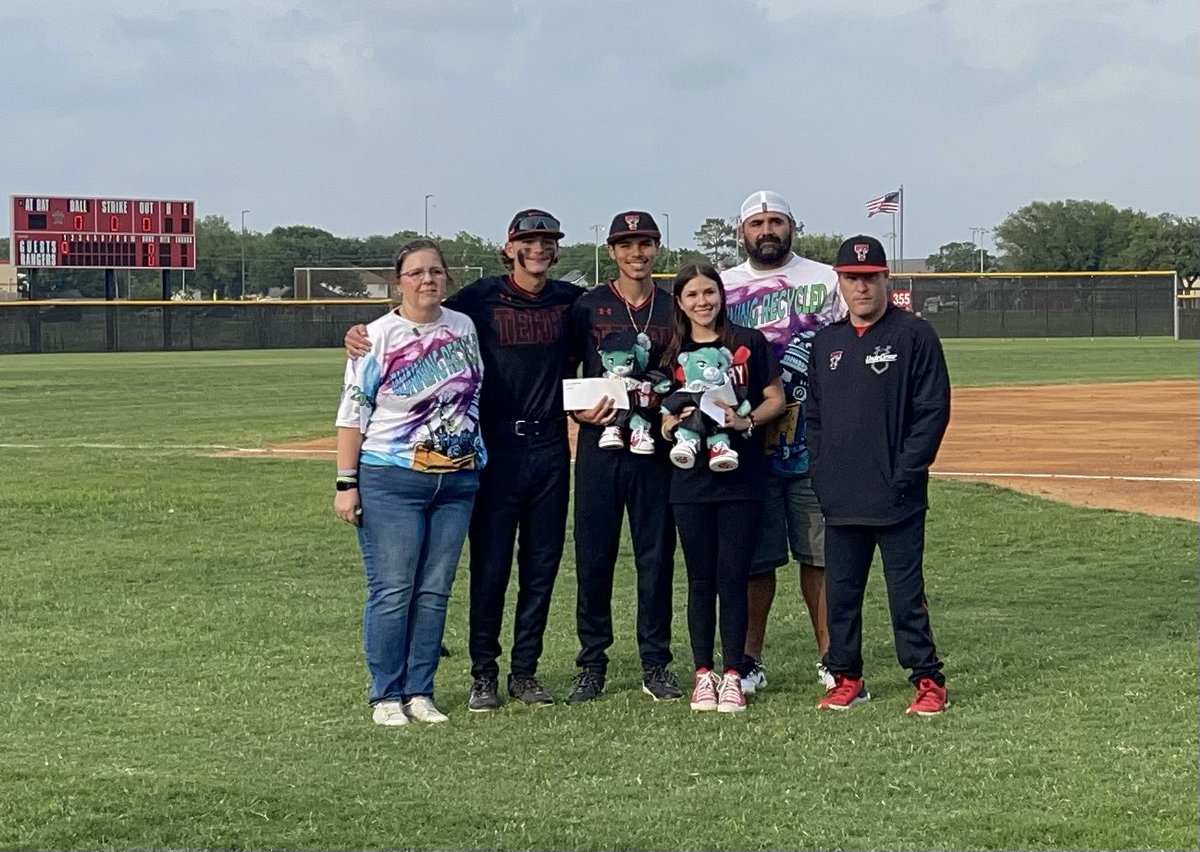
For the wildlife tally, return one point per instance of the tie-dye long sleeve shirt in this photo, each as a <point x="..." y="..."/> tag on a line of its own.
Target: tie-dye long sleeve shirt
<point x="415" y="395"/>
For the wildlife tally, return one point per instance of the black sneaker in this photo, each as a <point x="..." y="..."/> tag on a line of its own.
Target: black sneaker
<point x="588" y="686"/>
<point x="659" y="684"/>
<point x="529" y="689"/>
<point x="483" y="695"/>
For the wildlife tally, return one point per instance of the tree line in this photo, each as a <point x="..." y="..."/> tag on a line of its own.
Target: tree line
<point x="1054" y="236"/>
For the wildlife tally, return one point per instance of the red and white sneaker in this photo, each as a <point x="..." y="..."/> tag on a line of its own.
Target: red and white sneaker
<point x="611" y="438"/>
<point x="721" y="458"/>
<point x="641" y="442"/>
<point x="931" y="698"/>
<point x="730" y="698"/>
<point x="846" y="692"/>
<point x="704" y="694"/>
<point x="683" y="454"/>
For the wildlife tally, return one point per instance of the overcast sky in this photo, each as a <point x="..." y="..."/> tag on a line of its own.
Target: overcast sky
<point x="343" y="115"/>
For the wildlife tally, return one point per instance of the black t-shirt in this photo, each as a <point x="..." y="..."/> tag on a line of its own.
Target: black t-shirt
<point x="754" y="368"/>
<point x="525" y="342"/>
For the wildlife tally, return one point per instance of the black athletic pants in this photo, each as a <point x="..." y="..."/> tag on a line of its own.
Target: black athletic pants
<point x="608" y="483"/>
<point x="522" y="499"/>
<point x="718" y="541"/>
<point x="848" y="552"/>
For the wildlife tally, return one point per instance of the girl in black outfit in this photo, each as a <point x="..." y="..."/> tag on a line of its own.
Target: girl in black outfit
<point x="718" y="514"/>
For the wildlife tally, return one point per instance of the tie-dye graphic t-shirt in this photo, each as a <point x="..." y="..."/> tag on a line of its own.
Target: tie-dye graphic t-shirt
<point x="788" y="305"/>
<point x="415" y="395"/>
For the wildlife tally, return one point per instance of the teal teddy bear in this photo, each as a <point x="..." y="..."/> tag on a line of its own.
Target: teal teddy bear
<point x="703" y="369"/>
<point x="625" y="356"/>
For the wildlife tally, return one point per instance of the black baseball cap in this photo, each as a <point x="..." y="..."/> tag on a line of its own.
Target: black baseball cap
<point x="632" y="223"/>
<point x="534" y="222"/>
<point x="861" y="254"/>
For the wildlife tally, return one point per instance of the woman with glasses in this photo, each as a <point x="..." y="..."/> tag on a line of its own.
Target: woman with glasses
<point x="409" y="453"/>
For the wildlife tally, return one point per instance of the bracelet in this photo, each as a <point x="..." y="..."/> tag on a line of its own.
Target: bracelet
<point x="753" y="423"/>
<point x="346" y="483"/>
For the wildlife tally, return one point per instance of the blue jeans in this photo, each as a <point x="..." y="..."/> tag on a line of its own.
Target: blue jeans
<point x="412" y="534"/>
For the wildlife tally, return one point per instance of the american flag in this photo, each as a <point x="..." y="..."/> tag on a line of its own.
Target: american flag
<point x="889" y="203"/>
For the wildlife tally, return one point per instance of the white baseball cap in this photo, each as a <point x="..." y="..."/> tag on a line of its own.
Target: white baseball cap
<point x="764" y="201"/>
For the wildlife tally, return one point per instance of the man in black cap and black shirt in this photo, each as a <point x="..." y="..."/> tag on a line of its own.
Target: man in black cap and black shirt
<point x="522" y="320"/>
<point x="878" y="406"/>
<point x="611" y="482"/>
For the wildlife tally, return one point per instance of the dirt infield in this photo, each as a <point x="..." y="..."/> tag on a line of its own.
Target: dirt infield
<point x="1112" y="446"/>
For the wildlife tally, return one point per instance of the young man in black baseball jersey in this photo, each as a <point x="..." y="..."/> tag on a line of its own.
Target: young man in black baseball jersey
<point x="631" y="478"/>
<point x="878" y="406"/>
<point x="522" y="320"/>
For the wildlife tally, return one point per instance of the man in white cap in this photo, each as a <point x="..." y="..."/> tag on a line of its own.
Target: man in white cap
<point x="788" y="298"/>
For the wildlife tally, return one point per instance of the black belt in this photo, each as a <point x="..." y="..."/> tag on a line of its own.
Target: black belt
<point x="528" y="428"/>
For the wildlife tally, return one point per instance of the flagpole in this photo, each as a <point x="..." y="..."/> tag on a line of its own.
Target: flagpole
<point x="893" y="236"/>
<point x="900" y="265"/>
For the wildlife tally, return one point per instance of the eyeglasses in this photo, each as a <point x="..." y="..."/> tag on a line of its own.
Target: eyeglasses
<point x="419" y="274"/>
<point x="535" y="223"/>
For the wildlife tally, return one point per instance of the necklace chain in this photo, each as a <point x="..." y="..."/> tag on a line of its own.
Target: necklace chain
<point x="649" y="314"/>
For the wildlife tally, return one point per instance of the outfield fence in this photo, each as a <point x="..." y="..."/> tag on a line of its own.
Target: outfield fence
<point x="99" y="326"/>
<point x="1050" y="304"/>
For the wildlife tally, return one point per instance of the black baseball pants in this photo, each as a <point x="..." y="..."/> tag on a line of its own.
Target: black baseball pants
<point x="608" y="484"/>
<point x="848" y="553"/>
<point x="522" y="501"/>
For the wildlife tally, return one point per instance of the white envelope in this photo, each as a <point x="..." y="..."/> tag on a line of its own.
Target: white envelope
<point x="709" y="399"/>
<point x="582" y="394"/>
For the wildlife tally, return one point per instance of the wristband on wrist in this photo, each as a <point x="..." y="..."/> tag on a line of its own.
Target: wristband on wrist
<point x="346" y="483"/>
<point x="752" y="422"/>
<point x="352" y="472"/>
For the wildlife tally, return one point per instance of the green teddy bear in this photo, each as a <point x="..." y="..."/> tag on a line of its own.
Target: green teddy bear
<point x="703" y="369"/>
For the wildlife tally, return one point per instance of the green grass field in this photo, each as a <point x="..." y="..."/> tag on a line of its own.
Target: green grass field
<point x="181" y="663"/>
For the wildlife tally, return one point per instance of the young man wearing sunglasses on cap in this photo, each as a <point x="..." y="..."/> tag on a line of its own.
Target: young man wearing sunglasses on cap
<point x="522" y="320"/>
<point x="613" y="481"/>
<point x="878" y="409"/>
<point x="788" y="298"/>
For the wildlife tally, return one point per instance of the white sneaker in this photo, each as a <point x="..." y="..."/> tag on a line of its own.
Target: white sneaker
<point x="683" y="454"/>
<point x="824" y="676"/>
<point x="610" y="438"/>
<point x="389" y="713"/>
<point x="421" y="709"/>
<point x="755" y="679"/>
<point x="641" y="442"/>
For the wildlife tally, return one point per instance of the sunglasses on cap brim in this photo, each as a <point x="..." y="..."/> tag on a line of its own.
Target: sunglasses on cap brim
<point x="536" y="223"/>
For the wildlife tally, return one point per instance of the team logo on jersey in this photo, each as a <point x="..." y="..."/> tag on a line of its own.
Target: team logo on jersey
<point x="881" y="359"/>
<point x="860" y="251"/>
<point x="835" y="358"/>
<point x="631" y="222"/>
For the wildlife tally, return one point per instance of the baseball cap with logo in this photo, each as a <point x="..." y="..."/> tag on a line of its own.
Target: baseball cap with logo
<point x="764" y="201"/>
<point x="632" y="223"/>
<point x="534" y="222"/>
<point x="861" y="254"/>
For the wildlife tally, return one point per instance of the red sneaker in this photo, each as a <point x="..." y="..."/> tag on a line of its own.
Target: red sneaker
<point x="722" y="458"/>
<point x="931" y="698"/>
<point x="732" y="700"/>
<point x="704" y="694"/>
<point x="844" y="694"/>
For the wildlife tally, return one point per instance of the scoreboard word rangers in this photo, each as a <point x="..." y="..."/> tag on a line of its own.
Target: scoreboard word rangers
<point x="102" y="233"/>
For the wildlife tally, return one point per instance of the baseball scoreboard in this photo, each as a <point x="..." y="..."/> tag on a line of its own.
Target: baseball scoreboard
<point x="102" y="233"/>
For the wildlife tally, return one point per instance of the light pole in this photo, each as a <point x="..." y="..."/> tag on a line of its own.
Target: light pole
<point x="427" y="197"/>
<point x="244" y="212"/>
<point x="980" y="232"/>
<point x="667" y="220"/>
<point x="596" y="231"/>
<point x="892" y="234"/>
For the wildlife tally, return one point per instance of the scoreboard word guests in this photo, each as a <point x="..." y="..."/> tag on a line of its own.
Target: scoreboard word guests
<point x="102" y="233"/>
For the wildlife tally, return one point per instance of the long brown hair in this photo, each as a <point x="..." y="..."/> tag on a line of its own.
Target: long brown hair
<point x="681" y="326"/>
